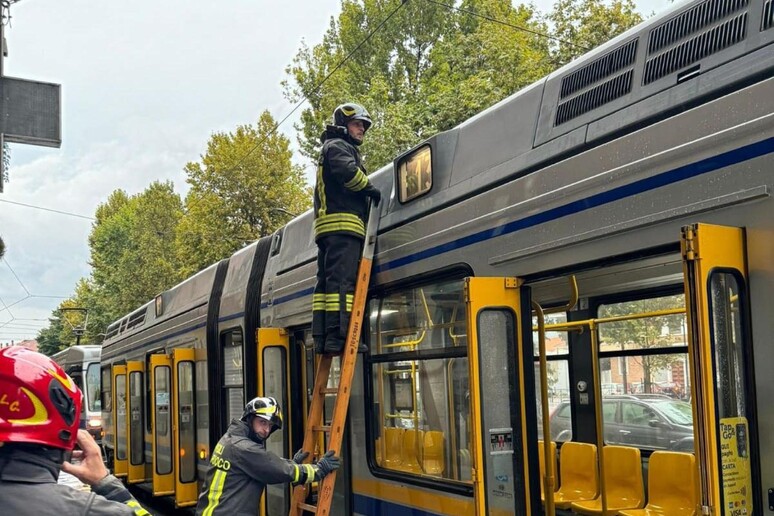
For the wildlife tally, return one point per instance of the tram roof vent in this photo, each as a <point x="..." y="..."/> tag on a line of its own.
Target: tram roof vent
<point x="693" y="35"/>
<point x="136" y="319"/>
<point x="112" y="330"/>
<point x="604" y="79"/>
<point x="768" y="15"/>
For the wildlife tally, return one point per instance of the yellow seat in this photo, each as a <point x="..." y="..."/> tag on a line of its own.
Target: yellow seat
<point x="433" y="456"/>
<point x="578" y="470"/>
<point x="542" y="460"/>
<point x="623" y="482"/>
<point x="393" y="442"/>
<point x="672" y="487"/>
<point x="410" y="451"/>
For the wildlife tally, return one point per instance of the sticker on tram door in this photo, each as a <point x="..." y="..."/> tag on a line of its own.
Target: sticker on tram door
<point x="500" y="441"/>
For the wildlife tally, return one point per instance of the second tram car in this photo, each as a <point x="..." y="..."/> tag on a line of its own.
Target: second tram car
<point x="586" y="263"/>
<point x="82" y="363"/>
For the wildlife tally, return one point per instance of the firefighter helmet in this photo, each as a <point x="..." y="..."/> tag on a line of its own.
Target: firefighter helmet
<point x="264" y="408"/>
<point x="39" y="403"/>
<point x="345" y="113"/>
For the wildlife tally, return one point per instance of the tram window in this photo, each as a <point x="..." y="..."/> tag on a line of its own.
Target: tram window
<point x="727" y="315"/>
<point x="185" y="416"/>
<point x="136" y="435"/>
<point x="163" y="450"/>
<point x="233" y="382"/>
<point x="93" y="387"/>
<point x="107" y="404"/>
<point x="422" y="400"/>
<point x="121" y="417"/>
<point x="644" y="373"/>
<point x="415" y="174"/>
<point x="422" y="318"/>
<point x="558" y="400"/>
<point x="107" y="400"/>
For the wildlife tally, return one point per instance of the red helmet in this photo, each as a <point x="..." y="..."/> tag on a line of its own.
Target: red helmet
<point x="39" y="403"/>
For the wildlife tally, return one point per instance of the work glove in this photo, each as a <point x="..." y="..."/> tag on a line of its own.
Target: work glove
<point x="373" y="193"/>
<point x="327" y="464"/>
<point x="300" y="456"/>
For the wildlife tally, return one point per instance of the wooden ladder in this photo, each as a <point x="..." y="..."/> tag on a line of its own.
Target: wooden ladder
<point x="315" y="424"/>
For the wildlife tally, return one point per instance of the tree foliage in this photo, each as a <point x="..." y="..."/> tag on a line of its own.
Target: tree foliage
<point x="589" y="23"/>
<point x="244" y="187"/>
<point x="430" y="67"/>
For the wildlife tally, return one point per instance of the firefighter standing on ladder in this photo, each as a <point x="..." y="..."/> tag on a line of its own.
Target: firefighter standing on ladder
<point x="241" y="467"/>
<point x="340" y="210"/>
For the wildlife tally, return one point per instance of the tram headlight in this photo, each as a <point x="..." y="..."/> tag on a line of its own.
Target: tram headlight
<point x="94" y="422"/>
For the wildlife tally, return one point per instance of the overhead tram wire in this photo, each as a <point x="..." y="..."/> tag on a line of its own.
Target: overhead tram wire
<point x="320" y="84"/>
<point x="507" y="24"/>
<point x="48" y="209"/>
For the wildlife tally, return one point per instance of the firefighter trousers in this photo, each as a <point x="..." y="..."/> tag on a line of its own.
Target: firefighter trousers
<point x="338" y="257"/>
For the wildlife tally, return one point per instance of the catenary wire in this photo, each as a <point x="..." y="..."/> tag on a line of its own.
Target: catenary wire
<point x="507" y="24"/>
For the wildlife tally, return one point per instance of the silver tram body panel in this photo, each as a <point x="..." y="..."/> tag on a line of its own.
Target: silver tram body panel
<point x="516" y="193"/>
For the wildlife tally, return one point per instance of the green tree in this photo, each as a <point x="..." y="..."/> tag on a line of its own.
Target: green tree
<point x="645" y="333"/>
<point x="49" y="338"/>
<point x="244" y="188"/>
<point x="588" y="24"/>
<point x="425" y="70"/>
<point x="132" y="250"/>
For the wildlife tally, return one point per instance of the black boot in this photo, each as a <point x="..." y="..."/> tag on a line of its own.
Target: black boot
<point x="362" y="347"/>
<point x="333" y="345"/>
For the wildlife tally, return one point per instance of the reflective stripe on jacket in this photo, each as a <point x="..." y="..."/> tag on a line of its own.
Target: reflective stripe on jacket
<point x="340" y="206"/>
<point x="239" y="470"/>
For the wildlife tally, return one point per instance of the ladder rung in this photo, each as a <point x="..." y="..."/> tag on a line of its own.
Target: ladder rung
<point x="323" y="428"/>
<point x="330" y="390"/>
<point x="307" y="507"/>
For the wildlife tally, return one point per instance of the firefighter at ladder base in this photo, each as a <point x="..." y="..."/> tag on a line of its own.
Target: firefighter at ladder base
<point x="240" y="466"/>
<point x="340" y="210"/>
<point x="39" y="416"/>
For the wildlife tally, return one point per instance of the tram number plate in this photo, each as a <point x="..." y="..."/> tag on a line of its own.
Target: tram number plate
<point x="500" y="441"/>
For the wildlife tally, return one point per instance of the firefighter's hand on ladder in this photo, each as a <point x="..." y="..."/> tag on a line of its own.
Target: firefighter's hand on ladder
<point x="327" y="464"/>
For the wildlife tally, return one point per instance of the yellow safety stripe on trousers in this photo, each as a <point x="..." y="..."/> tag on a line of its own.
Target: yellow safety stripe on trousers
<point x="350" y="299"/>
<point x="216" y="489"/>
<point x="318" y="302"/>
<point x="321" y="192"/>
<point x="358" y="182"/>
<point x="339" y="222"/>
<point x="138" y="510"/>
<point x="332" y="303"/>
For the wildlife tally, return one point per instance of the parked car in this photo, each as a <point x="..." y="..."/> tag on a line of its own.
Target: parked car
<point x="646" y="421"/>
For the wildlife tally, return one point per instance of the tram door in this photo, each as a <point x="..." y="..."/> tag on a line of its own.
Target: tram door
<point x="273" y="381"/>
<point x="135" y="426"/>
<point x="161" y="423"/>
<point x="497" y="394"/>
<point x="721" y="368"/>
<point x="120" y="462"/>
<point x="184" y="427"/>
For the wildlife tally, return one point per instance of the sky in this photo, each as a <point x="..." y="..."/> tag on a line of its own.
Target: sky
<point x="144" y="85"/>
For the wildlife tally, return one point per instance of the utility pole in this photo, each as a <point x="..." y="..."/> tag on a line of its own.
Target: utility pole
<point x="78" y="329"/>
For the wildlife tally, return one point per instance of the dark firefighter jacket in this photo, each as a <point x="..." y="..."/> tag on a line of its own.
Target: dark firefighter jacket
<point x="28" y="485"/>
<point x="340" y="204"/>
<point x="239" y="470"/>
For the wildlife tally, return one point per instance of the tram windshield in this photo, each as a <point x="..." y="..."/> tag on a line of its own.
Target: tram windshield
<point x="93" y="388"/>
